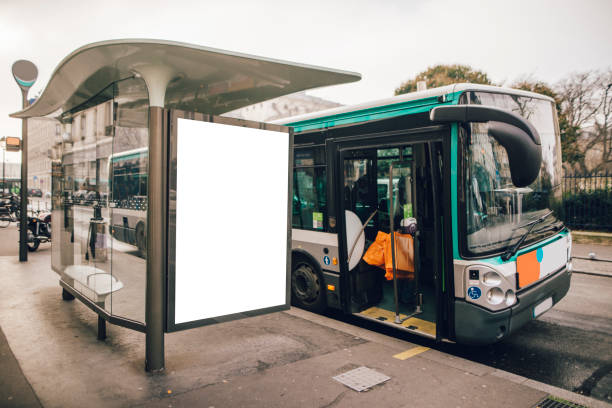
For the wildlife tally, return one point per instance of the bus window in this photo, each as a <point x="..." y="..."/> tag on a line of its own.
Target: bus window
<point x="305" y="156"/>
<point x="357" y="187"/>
<point x="309" y="198"/>
<point x="309" y="188"/>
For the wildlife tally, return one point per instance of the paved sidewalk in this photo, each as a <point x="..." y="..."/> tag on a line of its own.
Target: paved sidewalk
<point x="15" y="390"/>
<point x="283" y="359"/>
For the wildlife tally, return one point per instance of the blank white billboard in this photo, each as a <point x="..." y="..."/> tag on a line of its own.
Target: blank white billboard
<point x="231" y="220"/>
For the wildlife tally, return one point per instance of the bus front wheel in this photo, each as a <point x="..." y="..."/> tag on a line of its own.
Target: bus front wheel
<point x="307" y="286"/>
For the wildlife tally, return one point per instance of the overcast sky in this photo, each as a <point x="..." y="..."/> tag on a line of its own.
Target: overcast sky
<point x="387" y="41"/>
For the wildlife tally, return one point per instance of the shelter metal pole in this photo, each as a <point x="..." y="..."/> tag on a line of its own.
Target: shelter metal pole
<point x="23" y="191"/>
<point x="156" y="243"/>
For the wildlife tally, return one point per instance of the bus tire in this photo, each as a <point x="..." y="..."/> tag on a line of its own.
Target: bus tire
<point x="67" y="296"/>
<point x="307" y="286"/>
<point x="141" y="239"/>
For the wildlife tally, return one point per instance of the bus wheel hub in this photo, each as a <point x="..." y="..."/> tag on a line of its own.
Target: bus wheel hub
<point x="305" y="283"/>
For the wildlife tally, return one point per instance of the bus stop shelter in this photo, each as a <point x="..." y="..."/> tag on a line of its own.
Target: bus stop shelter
<point x="166" y="215"/>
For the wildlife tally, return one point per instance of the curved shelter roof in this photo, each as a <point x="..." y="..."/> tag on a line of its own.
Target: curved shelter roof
<point x="178" y="75"/>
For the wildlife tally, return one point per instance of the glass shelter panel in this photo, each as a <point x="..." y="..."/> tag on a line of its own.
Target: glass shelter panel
<point x="99" y="199"/>
<point x="128" y="171"/>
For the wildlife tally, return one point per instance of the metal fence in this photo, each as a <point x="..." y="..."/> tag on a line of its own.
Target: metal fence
<point x="587" y="201"/>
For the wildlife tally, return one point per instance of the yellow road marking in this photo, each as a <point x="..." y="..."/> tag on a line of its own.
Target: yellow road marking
<point x="410" y="353"/>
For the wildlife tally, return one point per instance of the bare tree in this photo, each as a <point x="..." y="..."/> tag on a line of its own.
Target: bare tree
<point x="586" y="103"/>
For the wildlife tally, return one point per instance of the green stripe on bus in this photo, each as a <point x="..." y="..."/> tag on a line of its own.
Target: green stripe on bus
<point x="375" y="113"/>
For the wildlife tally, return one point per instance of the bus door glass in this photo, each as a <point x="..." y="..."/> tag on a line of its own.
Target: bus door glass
<point x="401" y="268"/>
<point x="359" y="188"/>
<point x="388" y="189"/>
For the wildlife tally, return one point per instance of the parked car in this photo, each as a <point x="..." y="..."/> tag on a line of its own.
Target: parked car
<point x="79" y="196"/>
<point x="35" y="192"/>
<point x="91" y="197"/>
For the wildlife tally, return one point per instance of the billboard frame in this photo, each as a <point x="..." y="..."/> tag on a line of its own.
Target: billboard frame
<point x="170" y="136"/>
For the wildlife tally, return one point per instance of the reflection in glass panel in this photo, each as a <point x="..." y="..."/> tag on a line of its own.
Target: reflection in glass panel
<point x="128" y="170"/>
<point x="80" y="187"/>
<point x="99" y="199"/>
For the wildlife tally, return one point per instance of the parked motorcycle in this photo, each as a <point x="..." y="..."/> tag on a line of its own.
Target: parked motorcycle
<point x="9" y="210"/>
<point x="39" y="230"/>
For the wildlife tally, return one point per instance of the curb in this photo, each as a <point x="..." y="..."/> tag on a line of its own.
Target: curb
<point x="591" y="237"/>
<point x="602" y="274"/>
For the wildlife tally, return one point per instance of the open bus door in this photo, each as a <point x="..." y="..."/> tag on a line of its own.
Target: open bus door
<point x="392" y="278"/>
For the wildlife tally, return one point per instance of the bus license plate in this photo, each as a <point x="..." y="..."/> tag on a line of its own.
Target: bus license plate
<point x="542" y="307"/>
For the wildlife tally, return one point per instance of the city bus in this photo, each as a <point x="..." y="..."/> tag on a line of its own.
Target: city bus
<point x="128" y="172"/>
<point x="436" y="212"/>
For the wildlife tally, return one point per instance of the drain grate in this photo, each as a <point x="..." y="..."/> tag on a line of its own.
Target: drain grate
<point x="553" y="402"/>
<point x="361" y="379"/>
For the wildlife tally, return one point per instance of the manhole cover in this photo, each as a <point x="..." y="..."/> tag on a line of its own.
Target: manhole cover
<point x="361" y="379"/>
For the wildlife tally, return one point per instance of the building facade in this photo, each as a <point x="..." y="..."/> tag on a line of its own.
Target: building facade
<point x="43" y="135"/>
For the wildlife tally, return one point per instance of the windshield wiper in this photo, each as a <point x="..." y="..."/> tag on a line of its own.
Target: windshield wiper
<point x="512" y="250"/>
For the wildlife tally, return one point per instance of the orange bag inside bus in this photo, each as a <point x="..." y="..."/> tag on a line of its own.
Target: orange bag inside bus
<point x="379" y="254"/>
<point x="375" y="255"/>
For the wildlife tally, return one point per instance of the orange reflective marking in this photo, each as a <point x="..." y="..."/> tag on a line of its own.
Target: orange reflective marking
<point x="528" y="268"/>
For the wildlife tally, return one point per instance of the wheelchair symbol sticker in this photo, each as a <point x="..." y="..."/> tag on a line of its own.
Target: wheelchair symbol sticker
<point x="474" y="292"/>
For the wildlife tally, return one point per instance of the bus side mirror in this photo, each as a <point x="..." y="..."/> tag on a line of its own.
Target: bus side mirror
<point x="516" y="135"/>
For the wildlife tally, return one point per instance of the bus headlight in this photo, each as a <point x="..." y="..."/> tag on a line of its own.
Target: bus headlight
<point x="491" y="279"/>
<point x="490" y="287"/>
<point x="495" y="296"/>
<point x="510" y="297"/>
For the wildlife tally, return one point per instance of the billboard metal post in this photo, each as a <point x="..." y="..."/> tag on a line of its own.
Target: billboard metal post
<point x="25" y="74"/>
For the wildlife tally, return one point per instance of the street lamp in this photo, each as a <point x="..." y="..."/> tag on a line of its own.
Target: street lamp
<point x="25" y="74"/>
<point x="3" y="144"/>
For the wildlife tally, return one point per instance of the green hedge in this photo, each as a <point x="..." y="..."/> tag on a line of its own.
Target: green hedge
<point x="588" y="210"/>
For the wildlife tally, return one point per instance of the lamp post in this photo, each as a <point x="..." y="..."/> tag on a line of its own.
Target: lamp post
<point x="25" y="74"/>
<point x="3" y="140"/>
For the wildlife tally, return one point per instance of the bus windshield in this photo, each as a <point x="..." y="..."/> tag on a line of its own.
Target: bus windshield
<point x="496" y="211"/>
